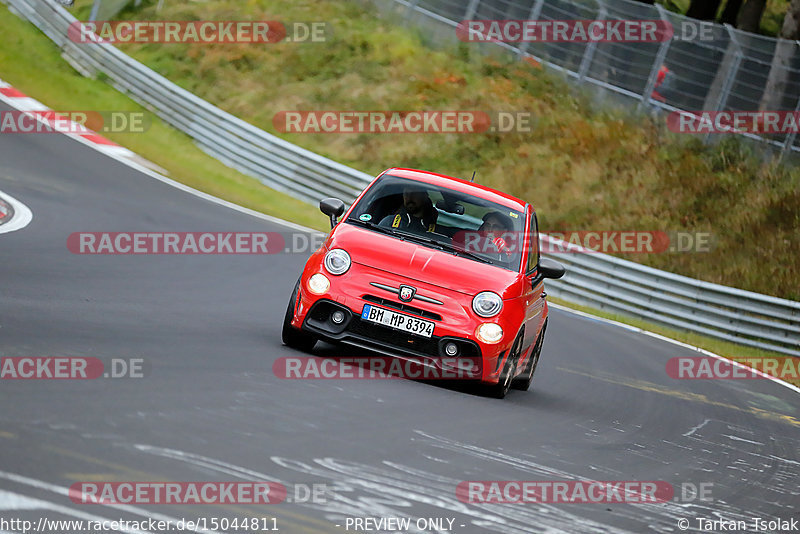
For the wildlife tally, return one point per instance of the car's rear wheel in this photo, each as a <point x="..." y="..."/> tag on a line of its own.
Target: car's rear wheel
<point x="523" y="382"/>
<point x="291" y="336"/>
<point x="503" y="386"/>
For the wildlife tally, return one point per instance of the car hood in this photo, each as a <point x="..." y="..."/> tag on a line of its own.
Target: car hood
<point x="421" y="263"/>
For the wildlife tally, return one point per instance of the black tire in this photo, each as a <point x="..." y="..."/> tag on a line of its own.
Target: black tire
<point x="291" y="336"/>
<point x="523" y="382"/>
<point x="503" y="386"/>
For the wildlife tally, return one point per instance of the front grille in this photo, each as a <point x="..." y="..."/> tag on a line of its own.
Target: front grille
<point x="399" y="306"/>
<point x="379" y="336"/>
<point x="396" y="338"/>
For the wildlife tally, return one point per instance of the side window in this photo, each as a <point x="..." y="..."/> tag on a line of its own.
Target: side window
<point x="533" y="238"/>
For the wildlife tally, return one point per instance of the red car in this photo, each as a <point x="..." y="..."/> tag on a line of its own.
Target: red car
<point x="431" y="268"/>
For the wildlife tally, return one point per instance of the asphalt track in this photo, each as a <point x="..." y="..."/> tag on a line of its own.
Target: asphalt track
<point x="602" y="406"/>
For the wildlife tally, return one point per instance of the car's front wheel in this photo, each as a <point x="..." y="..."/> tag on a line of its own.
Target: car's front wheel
<point x="291" y="336"/>
<point x="523" y="381"/>
<point x="501" y="389"/>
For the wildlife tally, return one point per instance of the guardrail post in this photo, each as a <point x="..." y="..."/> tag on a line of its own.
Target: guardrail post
<point x="535" y="12"/>
<point x="588" y="55"/>
<point x="661" y="55"/>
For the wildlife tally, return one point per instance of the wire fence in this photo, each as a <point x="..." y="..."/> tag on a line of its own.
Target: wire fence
<point x="712" y="67"/>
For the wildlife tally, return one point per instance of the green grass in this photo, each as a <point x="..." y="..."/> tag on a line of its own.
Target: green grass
<point x="55" y="83"/>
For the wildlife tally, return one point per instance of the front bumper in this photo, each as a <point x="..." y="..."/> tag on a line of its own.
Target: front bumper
<point x="429" y="352"/>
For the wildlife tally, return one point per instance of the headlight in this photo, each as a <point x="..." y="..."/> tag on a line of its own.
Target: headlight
<point x="337" y="261"/>
<point x="490" y="333"/>
<point x="319" y="284"/>
<point x="487" y="304"/>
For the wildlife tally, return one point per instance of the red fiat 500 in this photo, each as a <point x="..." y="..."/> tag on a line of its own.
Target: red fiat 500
<point x="433" y="269"/>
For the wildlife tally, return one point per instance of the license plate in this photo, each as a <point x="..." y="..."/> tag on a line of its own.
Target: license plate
<point x="398" y="321"/>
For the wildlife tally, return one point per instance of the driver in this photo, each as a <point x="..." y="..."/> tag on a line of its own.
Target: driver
<point x="496" y="223"/>
<point x="495" y="228"/>
<point x="417" y="213"/>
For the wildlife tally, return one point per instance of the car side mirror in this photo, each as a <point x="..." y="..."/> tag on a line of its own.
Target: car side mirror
<point x="550" y="268"/>
<point x="333" y="208"/>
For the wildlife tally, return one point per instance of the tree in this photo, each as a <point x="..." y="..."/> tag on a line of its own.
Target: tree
<point x="750" y="15"/>
<point x="703" y="9"/>
<point x="784" y="51"/>
<point x="731" y="12"/>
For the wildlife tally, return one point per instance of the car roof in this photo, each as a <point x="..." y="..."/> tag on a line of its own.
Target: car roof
<point x="457" y="184"/>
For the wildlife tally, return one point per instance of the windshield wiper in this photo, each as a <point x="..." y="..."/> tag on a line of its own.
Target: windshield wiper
<point x="449" y="247"/>
<point x="442" y="245"/>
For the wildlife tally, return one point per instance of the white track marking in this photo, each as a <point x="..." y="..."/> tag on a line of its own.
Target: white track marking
<point x="123" y="155"/>
<point x="14" y="501"/>
<point x="22" y="214"/>
<point x="696" y="428"/>
<point x="123" y="507"/>
<point x="675" y="342"/>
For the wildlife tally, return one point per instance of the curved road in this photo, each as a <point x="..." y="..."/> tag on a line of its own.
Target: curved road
<point x="209" y="408"/>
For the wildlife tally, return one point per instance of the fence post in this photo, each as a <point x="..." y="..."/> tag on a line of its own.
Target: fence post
<point x="730" y="76"/>
<point x="787" y="144"/>
<point x="661" y="55"/>
<point x="472" y="7"/>
<point x="727" y="85"/>
<point x="95" y="9"/>
<point x="535" y="12"/>
<point x="412" y="6"/>
<point x="588" y="55"/>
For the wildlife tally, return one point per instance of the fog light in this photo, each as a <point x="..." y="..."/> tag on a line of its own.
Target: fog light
<point x="337" y="317"/>
<point x="451" y="349"/>
<point x="319" y="284"/>
<point x="490" y="333"/>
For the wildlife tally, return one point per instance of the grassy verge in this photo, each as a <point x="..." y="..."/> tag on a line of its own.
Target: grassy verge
<point x="30" y="62"/>
<point x="733" y="351"/>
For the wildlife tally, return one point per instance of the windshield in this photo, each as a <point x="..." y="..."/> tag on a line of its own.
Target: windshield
<point x="457" y="223"/>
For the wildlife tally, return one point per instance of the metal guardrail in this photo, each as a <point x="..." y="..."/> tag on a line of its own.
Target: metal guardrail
<point x="277" y="163"/>
<point x="628" y="288"/>
<point x="594" y="279"/>
<point x="727" y="70"/>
